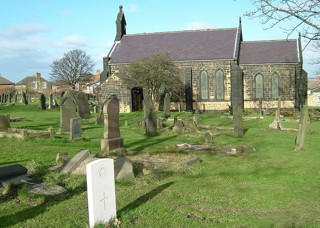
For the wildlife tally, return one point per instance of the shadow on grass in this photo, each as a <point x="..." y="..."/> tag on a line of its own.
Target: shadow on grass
<point x="32" y="212"/>
<point x="150" y="141"/>
<point x="143" y="199"/>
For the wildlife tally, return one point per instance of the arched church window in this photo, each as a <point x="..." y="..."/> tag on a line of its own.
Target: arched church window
<point x="219" y="85"/>
<point x="204" y="85"/>
<point x="275" y="86"/>
<point x="259" y="86"/>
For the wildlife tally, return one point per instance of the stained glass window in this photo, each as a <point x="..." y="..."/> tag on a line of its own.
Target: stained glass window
<point x="219" y="85"/>
<point x="204" y="87"/>
<point x="259" y="86"/>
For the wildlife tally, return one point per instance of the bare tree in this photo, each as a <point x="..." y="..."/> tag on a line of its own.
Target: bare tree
<point x="304" y="16"/>
<point x="316" y="60"/>
<point x="157" y="74"/>
<point x="74" y="67"/>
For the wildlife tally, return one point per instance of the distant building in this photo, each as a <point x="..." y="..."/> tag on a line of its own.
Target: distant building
<point x="5" y="84"/>
<point x="314" y="92"/>
<point x="216" y="64"/>
<point x="34" y="84"/>
<point x="90" y="87"/>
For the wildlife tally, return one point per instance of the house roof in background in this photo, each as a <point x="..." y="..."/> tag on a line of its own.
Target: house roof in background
<point x="4" y="81"/>
<point x="272" y="51"/>
<point x="30" y="79"/>
<point x="184" y="45"/>
<point x="313" y="83"/>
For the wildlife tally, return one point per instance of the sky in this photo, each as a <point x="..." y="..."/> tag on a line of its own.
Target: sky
<point x="34" y="33"/>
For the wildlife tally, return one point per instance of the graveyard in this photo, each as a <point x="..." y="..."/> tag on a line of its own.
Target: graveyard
<point x="190" y="171"/>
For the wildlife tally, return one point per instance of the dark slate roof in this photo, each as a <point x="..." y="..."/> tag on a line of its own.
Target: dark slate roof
<point x="184" y="45"/>
<point x="4" y="81"/>
<point x="273" y="51"/>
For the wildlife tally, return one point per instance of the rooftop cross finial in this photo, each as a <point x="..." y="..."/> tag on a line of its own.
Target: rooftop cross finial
<point x="120" y="8"/>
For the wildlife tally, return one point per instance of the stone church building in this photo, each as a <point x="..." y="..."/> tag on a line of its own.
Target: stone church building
<point x="220" y="69"/>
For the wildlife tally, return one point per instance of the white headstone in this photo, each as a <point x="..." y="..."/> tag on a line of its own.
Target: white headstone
<point x="101" y="191"/>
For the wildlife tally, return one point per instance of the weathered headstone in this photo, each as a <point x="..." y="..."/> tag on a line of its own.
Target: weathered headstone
<point x="75" y="161"/>
<point x="67" y="111"/>
<point x="101" y="191"/>
<point x="112" y="139"/>
<point x="51" y="101"/>
<point x="302" y="129"/>
<point x="82" y="105"/>
<point x="147" y="105"/>
<point x="237" y="122"/>
<point x="166" y="108"/>
<point x="276" y="124"/>
<point x="4" y="122"/>
<point x="123" y="168"/>
<point x="42" y="100"/>
<point x="24" y="98"/>
<point x="151" y="126"/>
<point x="75" y="128"/>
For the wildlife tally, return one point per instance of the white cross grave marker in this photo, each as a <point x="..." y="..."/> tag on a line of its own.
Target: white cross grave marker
<point x="101" y="191"/>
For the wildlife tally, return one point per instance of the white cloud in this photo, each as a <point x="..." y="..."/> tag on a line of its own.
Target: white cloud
<point x="22" y="30"/>
<point x="72" y="41"/>
<point x="67" y="13"/>
<point x="198" y="25"/>
<point x="133" y="8"/>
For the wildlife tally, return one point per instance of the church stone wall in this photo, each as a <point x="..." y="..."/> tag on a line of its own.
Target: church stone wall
<point x="211" y="67"/>
<point x="114" y="86"/>
<point x="287" y="81"/>
<point x="287" y="76"/>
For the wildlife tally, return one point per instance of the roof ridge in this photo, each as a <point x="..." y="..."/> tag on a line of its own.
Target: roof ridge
<point x="264" y="41"/>
<point x="182" y="31"/>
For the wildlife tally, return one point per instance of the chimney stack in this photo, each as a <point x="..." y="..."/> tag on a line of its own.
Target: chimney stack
<point x="38" y="75"/>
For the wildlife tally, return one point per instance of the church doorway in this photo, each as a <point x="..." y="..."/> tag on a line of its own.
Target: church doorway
<point x="136" y="98"/>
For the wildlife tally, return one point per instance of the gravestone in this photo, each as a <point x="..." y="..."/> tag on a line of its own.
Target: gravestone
<point x="236" y="88"/>
<point x="51" y="101"/>
<point x="42" y="100"/>
<point x="75" y="128"/>
<point x="4" y="122"/>
<point x="276" y="124"/>
<point x="237" y="122"/>
<point x="10" y="171"/>
<point x="82" y="104"/>
<point x="166" y="108"/>
<point x="123" y="168"/>
<point x="101" y="191"/>
<point x="111" y="135"/>
<point x="147" y="105"/>
<point x="67" y="111"/>
<point x="151" y="124"/>
<point x="302" y="128"/>
<point x="24" y="98"/>
<point x="75" y="161"/>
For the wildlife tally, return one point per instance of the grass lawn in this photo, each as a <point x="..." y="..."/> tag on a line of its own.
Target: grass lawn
<point x="273" y="186"/>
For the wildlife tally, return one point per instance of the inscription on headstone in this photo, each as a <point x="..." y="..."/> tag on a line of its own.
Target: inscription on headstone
<point x="101" y="191"/>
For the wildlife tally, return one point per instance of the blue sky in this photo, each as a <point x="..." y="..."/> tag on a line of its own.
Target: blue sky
<point x="34" y="33"/>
